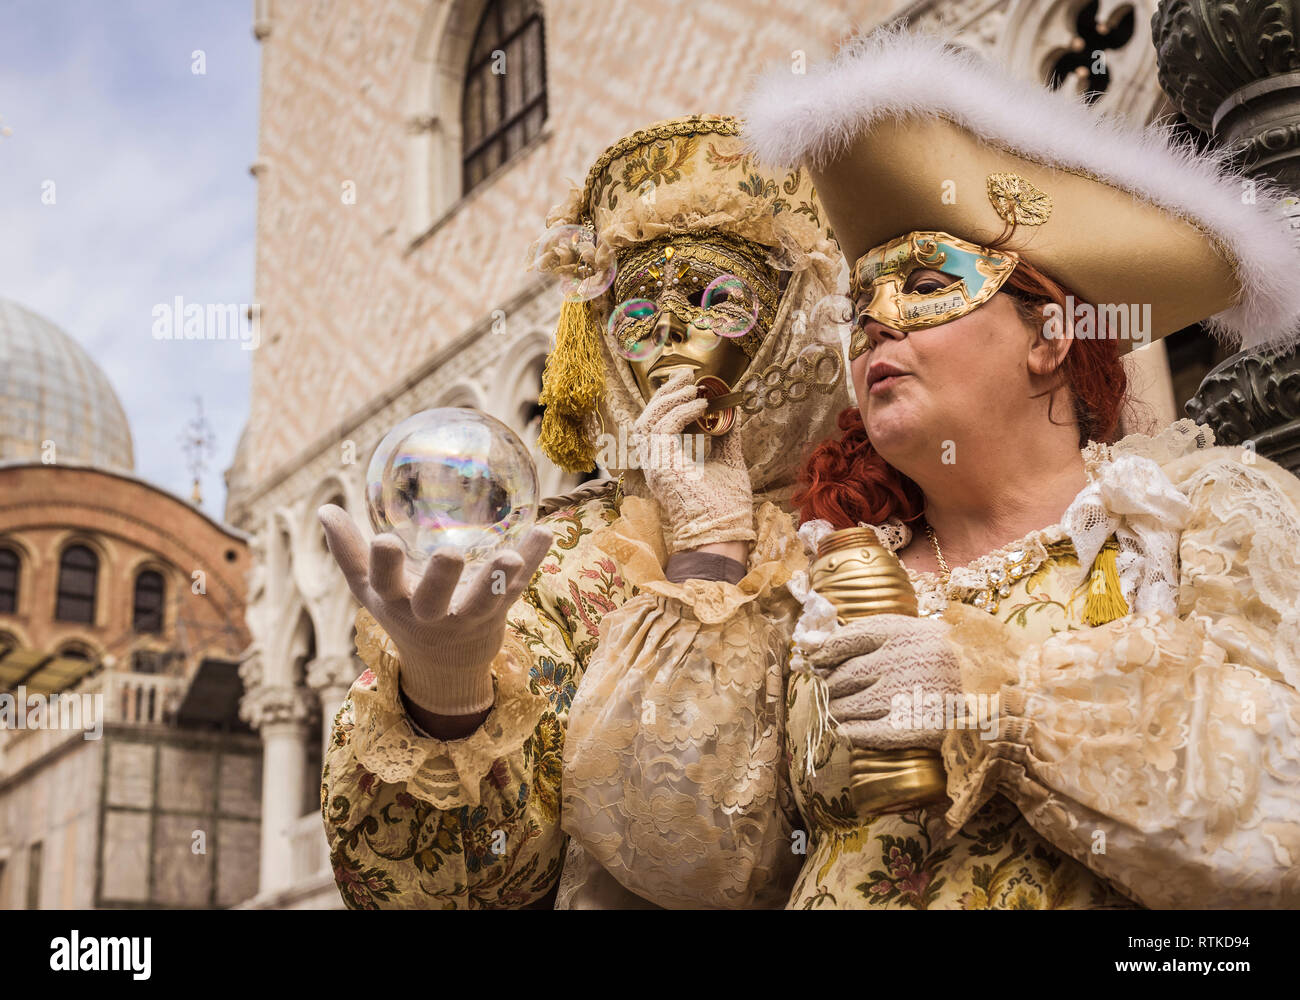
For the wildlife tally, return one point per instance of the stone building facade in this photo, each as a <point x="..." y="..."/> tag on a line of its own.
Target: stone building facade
<point x="125" y="603"/>
<point x="391" y="275"/>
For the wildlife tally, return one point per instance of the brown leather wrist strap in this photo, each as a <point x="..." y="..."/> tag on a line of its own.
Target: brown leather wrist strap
<point x="703" y="566"/>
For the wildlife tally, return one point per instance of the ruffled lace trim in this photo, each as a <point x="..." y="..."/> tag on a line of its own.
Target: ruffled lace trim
<point x="635" y="540"/>
<point x="987" y="573"/>
<point x="1180" y="438"/>
<point x="1241" y="552"/>
<point x="444" y="773"/>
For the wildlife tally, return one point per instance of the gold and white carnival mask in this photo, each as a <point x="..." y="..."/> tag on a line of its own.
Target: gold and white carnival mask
<point x="699" y="300"/>
<point x="880" y="290"/>
<point x="749" y="241"/>
<point x="705" y="302"/>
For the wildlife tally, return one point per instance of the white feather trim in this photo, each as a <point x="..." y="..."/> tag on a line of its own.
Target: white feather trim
<point x="894" y="73"/>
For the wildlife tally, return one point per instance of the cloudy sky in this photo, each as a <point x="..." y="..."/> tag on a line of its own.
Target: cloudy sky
<point x="152" y="199"/>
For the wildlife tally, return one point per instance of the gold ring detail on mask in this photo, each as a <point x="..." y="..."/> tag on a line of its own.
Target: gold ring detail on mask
<point x="817" y="368"/>
<point x="716" y="420"/>
<point x="882" y="273"/>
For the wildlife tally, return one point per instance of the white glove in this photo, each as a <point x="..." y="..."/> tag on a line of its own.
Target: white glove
<point x="879" y="671"/>
<point x="704" y="500"/>
<point x="446" y="647"/>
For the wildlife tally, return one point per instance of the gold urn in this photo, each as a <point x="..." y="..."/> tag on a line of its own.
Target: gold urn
<point x="860" y="577"/>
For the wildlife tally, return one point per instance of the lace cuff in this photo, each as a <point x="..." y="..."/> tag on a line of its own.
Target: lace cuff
<point x="635" y="541"/>
<point x="444" y="773"/>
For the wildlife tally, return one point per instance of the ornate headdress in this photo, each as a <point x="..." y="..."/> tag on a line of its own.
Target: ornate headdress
<point x="905" y="134"/>
<point x="685" y="185"/>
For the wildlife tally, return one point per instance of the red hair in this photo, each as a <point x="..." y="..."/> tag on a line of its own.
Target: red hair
<point x="847" y="481"/>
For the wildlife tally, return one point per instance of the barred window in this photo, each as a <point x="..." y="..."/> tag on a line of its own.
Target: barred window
<point x="9" y="566"/>
<point x="78" y="575"/>
<point x="504" y="102"/>
<point x="147" y="614"/>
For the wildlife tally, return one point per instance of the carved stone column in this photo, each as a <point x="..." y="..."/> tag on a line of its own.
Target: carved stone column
<point x="280" y="714"/>
<point x="1233" y="68"/>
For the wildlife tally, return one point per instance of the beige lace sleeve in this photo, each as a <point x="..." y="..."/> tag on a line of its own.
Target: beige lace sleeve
<point x="673" y="777"/>
<point x="1163" y="749"/>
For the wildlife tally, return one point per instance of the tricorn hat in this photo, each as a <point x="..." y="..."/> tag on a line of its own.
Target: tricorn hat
<point x="904" y="132"/>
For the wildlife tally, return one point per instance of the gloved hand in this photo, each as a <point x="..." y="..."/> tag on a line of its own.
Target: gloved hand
<point x="870" y="661"/>
<point x="704" y="498"/>
<point x="446" y="647"/>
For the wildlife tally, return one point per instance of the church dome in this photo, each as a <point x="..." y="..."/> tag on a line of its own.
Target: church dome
<point x="51" y="390"/>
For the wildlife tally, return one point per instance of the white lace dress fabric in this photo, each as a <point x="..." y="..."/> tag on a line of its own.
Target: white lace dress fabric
<point x="1162" y="750"/>
<point x="673" y="780"/>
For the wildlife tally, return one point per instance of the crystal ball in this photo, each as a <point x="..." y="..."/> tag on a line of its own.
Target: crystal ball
<point x="453" y="477"/>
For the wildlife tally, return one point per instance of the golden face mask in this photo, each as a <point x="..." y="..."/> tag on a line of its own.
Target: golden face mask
<point x="719" y="286"/>
<point x="705" y="302"/>
<point x="879" y="283"/>
<point x="702" y="302"/>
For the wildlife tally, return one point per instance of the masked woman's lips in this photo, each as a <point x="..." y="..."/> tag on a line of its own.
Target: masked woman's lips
<point x="886" y="383"/>
<point x="881" y="377"/>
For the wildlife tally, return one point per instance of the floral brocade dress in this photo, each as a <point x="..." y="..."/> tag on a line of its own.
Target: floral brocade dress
<point x="1145" y="748"/>
<point x="658" y="743"/>
<point x="911" y="860"/>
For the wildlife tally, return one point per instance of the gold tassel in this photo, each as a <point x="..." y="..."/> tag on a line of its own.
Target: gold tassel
<point x="1105" y="600"/>
<point x="573" y="385"/>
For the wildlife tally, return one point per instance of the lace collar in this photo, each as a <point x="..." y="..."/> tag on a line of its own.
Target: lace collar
<point x="981" y="582"/>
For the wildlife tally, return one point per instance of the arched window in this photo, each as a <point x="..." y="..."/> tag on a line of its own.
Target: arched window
<point x="9" y="565"/>
<point x="78" y="573"/>
<point x="504" y="102"/>
<point x="147" y="615"/>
